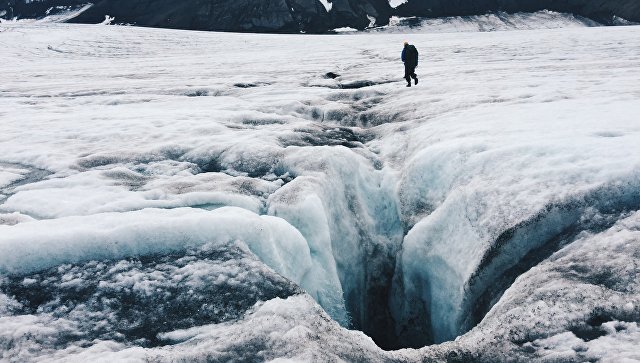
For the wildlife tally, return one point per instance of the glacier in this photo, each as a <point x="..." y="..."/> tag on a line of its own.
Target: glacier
<point x="173" y="195"/>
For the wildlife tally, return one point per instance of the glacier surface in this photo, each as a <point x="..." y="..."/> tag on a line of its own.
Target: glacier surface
<point x="184" y="196"/>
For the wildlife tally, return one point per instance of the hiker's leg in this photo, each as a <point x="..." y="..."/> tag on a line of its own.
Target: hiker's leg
<point x="414" y="76"/>
<point x="407" y="73"/>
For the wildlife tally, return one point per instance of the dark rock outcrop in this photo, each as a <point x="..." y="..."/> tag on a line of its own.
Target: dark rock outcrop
<point x="227" y="15"/>
<point x="284" y="16"/>
<point x="358" y="13"/>
<point x="292" y="16"/>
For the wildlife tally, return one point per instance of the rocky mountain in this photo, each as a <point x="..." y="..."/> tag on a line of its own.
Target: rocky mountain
<point x="227" y="15"/>
<point x="314" y="16"/>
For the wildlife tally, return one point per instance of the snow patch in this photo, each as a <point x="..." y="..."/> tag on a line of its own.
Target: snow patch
<point x="327" y="4"/>
<point x="372" y="21"/>
<point x="345" y="30"/>
<point x="395" y="3"/>
<point x="486" y="23"/>
<point x="107" y="20"/>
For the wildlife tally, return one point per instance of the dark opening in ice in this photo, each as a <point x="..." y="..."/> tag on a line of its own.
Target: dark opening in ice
<point x="515" y="251"/>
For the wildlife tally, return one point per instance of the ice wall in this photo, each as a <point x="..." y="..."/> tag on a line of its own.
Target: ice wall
<point x="484" y="204"/>
<point x="38" y="245"/>
<point x="347" y="211"/>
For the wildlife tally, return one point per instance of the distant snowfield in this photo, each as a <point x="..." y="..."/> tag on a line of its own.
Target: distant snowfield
<point x="486" y="23"/>
<point x="175" y="195"/>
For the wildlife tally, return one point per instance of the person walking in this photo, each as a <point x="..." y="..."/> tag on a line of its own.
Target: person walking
<point x="410" y="59"/>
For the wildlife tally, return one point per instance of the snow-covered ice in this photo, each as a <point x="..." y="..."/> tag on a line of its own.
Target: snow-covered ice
<point x="174" y="195"/>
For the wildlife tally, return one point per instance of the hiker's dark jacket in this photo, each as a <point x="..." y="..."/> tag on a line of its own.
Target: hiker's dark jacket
<point x="410" y="55"/>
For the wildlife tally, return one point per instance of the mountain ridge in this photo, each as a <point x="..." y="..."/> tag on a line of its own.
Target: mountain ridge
<point x="309" y="16"/>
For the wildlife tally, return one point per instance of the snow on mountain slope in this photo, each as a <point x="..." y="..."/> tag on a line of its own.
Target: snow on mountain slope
<point x="484" y="23"/>
<point x="57" y="14"/>
<point x="173" y="195"/>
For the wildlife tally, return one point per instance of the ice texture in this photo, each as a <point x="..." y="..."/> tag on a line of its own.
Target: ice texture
<point x="170" y="195"/>
<point x="133" y="301"/>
